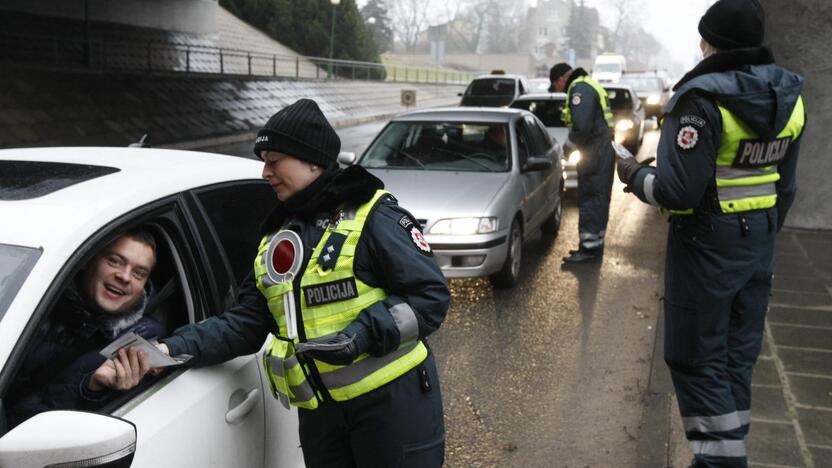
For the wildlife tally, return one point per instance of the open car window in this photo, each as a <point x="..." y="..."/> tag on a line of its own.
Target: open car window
<point x="62" y="344"/>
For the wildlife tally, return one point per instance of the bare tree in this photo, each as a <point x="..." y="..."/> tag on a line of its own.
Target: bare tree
<point x="627" y="19"/>
<point x="410" y="17"/>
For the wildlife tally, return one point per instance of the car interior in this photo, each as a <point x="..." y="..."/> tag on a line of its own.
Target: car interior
<point x="167" y="304"/>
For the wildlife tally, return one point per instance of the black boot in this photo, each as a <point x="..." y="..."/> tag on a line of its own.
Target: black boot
<point x="584" y="256"/>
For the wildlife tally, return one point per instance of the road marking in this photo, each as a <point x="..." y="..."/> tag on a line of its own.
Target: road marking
<point x="809" y="374"/>
<point x="811" y="350"/>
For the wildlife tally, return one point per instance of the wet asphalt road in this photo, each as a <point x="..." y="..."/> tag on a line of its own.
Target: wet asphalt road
<point x="554" y="372"/>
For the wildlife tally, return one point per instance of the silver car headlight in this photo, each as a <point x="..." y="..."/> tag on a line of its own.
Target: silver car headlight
<point x="465" y="226"/>
<point x="623" y="125"/>
<point x="653" y="100"/>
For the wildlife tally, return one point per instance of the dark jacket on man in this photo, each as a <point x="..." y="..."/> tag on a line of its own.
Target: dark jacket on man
<point x="65" y="353"/>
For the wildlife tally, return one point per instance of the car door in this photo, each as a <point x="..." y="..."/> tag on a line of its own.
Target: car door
<point x="552" y="177"/>
<point x="210" y="416"/>
<point x="232" y="213"/>
<point x="184" y="417"/>
<point x="527" y="146"/>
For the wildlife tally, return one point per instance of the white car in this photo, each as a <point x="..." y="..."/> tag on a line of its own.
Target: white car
<point x="58" y="207"/>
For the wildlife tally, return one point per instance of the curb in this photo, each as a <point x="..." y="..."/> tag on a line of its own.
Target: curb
<point x="654" y="441"/>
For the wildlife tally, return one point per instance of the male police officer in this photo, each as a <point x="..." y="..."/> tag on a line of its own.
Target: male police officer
<point x="727" y="158"/>
<point x="589" y="118"/>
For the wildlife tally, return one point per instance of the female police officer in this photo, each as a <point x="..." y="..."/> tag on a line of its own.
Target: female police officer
<point x="726" y="168"/>
<point x="349" y="288"/>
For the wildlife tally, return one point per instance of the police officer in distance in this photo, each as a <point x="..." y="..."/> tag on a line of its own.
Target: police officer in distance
<point x="366" y="292"/>
<point x="726" y="169"/>
<point x="588" y="115"/>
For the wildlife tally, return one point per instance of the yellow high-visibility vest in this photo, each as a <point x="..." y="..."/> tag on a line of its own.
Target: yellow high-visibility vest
<point x="330" y="300"/>
<point x="566" y="113"/>
<point x="746" y="166"/>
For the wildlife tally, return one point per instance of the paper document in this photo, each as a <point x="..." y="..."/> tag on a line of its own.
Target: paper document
<point x="157" y="357"/>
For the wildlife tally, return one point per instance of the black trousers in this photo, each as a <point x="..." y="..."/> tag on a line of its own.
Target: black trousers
<point x="595" y="177"/>
<point x="717" y="283"/>
<point x="398" y="425"/>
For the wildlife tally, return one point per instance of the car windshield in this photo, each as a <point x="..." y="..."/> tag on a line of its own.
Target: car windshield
<point x="642" y="84"/>
<point x="620" y="99"/>
<point x="440" y="146"/>
<point x="15" y="264"/>
<point x="608" y="67"/>
<point x="547" y="110"/>
<point x="491" y="87"/>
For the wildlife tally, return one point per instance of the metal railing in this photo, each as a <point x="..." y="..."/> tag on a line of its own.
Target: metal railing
<point x="166" y="57"/>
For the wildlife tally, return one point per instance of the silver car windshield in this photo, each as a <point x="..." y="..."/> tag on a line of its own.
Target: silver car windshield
<point x="441" y="146"/>
<point x="15" y="264"/>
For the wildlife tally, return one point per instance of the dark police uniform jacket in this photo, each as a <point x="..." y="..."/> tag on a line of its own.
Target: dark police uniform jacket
<point x="387" y="257"/>
<point x="749" y="84"/>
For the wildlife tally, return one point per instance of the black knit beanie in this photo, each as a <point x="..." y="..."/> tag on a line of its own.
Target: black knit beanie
<point x="558" y="70"/>
<point x="733" y="24"/>
<point x="300" y="130"/>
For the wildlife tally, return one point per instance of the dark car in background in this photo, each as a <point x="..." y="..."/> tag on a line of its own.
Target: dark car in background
<point x="653" y="90"/>
<point x="497" y="89"/>
<point x="628" y="114"/>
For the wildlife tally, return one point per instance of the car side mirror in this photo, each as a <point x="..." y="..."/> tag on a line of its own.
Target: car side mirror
<point x="72" y="438"/>
<point x="537" y="163"/>
<point x="346" y="158"/>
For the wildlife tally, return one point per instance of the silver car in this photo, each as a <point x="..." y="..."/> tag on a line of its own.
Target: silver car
<point x="548" y="108"/>
<point x="479" y="180"/>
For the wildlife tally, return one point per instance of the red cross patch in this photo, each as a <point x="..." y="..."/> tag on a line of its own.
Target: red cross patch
<point x="419" y="240"/>
<point x="688" y="137"/>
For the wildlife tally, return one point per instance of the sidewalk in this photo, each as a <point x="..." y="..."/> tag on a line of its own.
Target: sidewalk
<point x="791" y="422"/>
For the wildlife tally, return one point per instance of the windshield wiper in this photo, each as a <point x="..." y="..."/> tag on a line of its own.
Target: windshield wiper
<point x="407" y="155"/>
<point x="463" y="156"/>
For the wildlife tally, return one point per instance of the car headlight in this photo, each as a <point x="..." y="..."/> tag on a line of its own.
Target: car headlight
<point x="653" y="100"/>
<point x="464" y="226"/>
<point x="623" y="125"/>
<point x="574" y="158"/>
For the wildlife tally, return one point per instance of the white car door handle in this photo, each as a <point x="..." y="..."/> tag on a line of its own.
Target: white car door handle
<point x="236" y="414"/>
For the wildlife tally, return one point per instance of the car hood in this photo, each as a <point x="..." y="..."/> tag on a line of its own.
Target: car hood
<point x="433" y="195"/>
<point x="486" y="101"/>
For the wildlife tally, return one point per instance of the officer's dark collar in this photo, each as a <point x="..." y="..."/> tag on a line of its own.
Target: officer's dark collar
<point x="728" y="60"/>
<point x="352" y="186"/>
<point x="577" y="73"/>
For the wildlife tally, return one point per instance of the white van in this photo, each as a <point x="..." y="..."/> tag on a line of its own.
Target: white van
<point x="609" y="67"/>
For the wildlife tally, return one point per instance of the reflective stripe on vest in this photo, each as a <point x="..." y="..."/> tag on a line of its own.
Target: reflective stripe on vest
<point x="566" y="113"/>
<point x="331" y="300"/>
<point x="746" y="167"/>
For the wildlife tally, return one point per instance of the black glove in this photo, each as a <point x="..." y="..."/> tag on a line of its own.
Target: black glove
<point x="339" y="349"/>
<point x="628" y="167"/>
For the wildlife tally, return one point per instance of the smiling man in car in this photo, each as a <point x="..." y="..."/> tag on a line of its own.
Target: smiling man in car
<point x="63" y="369"/>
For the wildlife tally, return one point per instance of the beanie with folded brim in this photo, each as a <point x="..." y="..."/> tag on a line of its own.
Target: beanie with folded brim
<point x="733" y="24"/>
<point x="302" y="131"/>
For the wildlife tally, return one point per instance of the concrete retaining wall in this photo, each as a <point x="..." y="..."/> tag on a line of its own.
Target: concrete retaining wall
<point x="799" y="32"/>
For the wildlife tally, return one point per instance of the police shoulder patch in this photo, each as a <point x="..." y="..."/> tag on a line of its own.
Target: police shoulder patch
<point x="419" y="241"/>
<point x="692" y="120"/>
<point x="576" y="99"/>
<point x="687" y="138"/>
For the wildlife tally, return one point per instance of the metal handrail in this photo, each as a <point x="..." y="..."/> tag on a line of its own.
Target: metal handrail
<point x="155" y="56"/>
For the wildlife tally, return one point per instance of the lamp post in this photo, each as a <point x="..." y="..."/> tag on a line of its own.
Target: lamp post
<point x="332" y="38"/>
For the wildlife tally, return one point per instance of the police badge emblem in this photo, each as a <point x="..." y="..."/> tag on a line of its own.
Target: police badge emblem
<point x="687" y="137"/>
